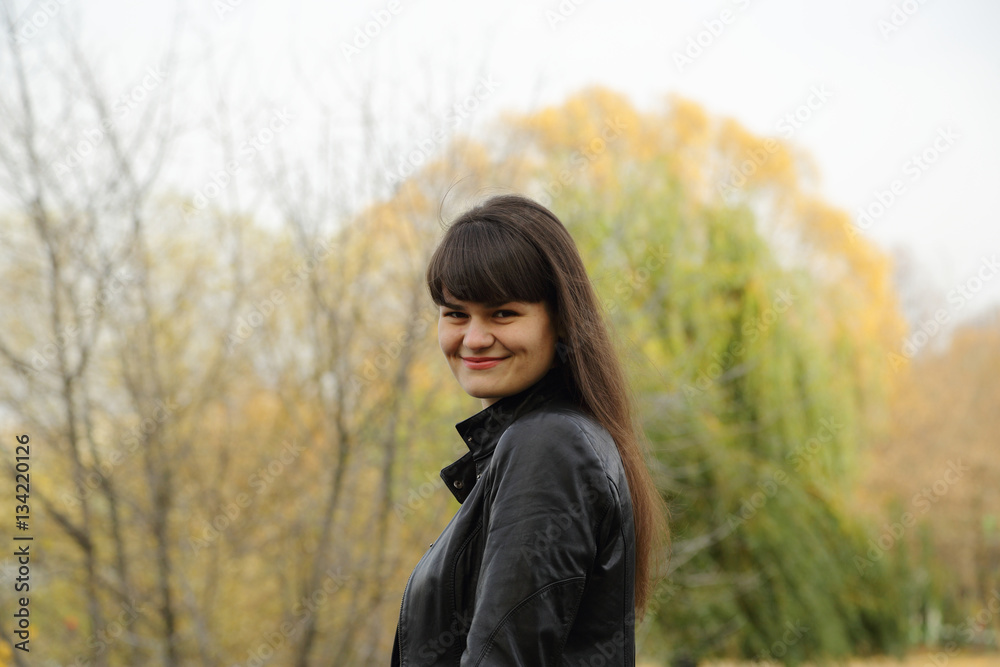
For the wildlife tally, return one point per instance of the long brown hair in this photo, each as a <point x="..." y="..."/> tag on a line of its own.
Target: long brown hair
<point x="510" y="248"/>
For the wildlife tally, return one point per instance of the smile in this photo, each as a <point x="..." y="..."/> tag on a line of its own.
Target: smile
<point x="481" y="363"/>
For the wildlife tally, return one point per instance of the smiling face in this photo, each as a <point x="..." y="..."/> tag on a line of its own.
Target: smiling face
<point x="496" y="350"/>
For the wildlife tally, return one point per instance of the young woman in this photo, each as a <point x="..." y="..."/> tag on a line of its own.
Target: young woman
<point x="554" y="550"/>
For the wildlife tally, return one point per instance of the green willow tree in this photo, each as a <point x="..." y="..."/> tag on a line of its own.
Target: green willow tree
<point x="757" y="325"/>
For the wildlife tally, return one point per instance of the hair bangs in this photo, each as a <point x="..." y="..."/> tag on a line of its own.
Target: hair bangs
<point x="481" y="262"/>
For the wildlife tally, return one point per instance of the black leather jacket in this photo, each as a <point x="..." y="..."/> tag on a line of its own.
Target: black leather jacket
<point x="537" y="566"/>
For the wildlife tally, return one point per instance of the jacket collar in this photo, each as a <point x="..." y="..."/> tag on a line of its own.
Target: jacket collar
<point x="482" y="431"/>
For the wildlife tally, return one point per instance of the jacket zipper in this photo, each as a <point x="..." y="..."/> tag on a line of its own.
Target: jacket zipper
<point x="399" y="624"/>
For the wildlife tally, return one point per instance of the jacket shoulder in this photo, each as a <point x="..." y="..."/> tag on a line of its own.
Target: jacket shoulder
<point x="561" y="437"/>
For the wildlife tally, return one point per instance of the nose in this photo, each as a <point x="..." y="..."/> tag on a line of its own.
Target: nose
<point x="478" y="335"/>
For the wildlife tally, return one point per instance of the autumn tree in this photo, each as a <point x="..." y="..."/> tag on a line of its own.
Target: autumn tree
<point x="935" y="475"/>
<point x="756" y="328"/>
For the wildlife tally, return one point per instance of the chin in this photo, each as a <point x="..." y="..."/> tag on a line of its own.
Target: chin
<point x="481" y="387"/>
<point x="478" y="390"/>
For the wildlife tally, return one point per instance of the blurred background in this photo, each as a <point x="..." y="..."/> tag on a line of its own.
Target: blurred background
<point x="214" y="223"/>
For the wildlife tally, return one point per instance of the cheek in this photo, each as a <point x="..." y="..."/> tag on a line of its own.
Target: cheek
<point x="541" y="343"/>
<point x="547" y="337"/>
<point x="446" y="340"/>
<point x="548" y="352"/>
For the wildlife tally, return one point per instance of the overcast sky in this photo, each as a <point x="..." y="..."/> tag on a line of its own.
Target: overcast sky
<point x="904" y="92"/>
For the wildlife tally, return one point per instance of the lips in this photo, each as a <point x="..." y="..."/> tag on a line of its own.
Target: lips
<point x="481" y="363"/>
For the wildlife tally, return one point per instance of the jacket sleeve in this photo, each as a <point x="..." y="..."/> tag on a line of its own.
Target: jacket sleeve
<point x="547" y="495"/>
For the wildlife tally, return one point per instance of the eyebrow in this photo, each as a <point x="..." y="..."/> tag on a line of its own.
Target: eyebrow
<point x="492" y="304"/>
